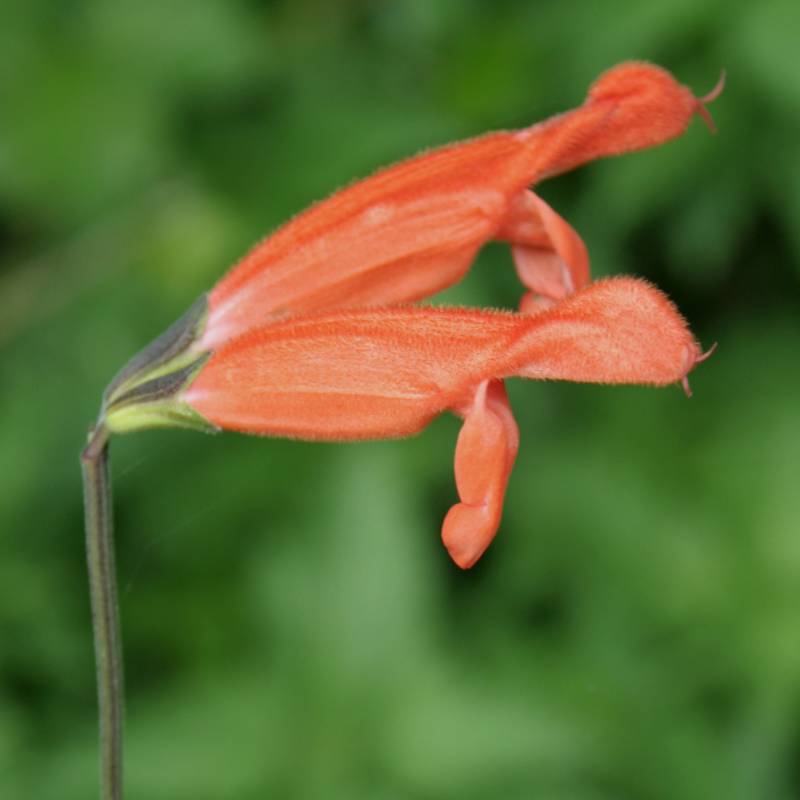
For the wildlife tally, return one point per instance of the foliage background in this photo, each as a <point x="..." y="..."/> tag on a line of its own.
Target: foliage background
<point x="292" y="626"/>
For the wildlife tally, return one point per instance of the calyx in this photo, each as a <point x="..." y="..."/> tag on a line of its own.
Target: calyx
<point x="145" y="392"/>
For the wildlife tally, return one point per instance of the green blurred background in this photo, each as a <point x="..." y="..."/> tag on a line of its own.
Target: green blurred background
<point x="293" y="628"/>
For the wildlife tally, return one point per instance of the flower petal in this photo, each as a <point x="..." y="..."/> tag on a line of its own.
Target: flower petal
<point x="551" y="259"/>
<point x="352" y="374"/>
<point x="621" y="330"/>
<point x="378" y="373"/>
<point x="485" y="452"/>
<point x="414" y="228"/>
<point x="632" y="106"/>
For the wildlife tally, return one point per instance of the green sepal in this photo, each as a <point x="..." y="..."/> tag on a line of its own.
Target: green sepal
<point x="169" y="414"/>
<point x="144" y="394"/>
<point x="164" y="354"/>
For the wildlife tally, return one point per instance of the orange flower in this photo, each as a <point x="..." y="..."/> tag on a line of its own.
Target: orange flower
<point x="414" y="228"/>
<point x="387" y="372"/>
<point x="307" y="336"/>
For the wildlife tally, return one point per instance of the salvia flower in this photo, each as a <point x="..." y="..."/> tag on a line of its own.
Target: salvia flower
<point x="309" y="335"/>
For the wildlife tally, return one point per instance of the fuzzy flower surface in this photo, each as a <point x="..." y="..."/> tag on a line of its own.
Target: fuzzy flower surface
<point x="413" y="229"/>
<point x="311" y="334"/>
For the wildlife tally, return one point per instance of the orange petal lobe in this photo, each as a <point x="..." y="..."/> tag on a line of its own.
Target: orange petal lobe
<point x="485" y="452"/>
<point x="551" y="259"/>
<point x="414" y="228"/>
<point x="360" y="374"/>
<point x="403" y="234"/>
<point x="379" y="373"/>
<point x="630" y="107"/>
<point x="621" y="330"/>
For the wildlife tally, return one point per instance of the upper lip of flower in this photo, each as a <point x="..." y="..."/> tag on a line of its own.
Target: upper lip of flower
<point x="412" y="229"/>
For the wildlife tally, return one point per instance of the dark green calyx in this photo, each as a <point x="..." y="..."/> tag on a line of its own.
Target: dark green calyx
<point x="175" y="341"/>
<point x="144" y="394"/>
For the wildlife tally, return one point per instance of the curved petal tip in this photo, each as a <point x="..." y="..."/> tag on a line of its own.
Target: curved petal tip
<point x="695" y="360"/>
<point x="703" y="101"/>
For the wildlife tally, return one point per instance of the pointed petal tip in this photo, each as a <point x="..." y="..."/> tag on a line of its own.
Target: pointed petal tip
<point x="694" y="360"/>
<point x="703" y="101"/>
<point x="705" y="356"/>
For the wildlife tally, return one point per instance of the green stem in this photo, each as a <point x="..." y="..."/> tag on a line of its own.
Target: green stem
<point x="105" y="612"/>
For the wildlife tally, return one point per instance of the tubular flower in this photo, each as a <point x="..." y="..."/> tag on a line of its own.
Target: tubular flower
<point x="387" y="372"/>
<point x="309" y="335"/>
<point x="414" y="228"/>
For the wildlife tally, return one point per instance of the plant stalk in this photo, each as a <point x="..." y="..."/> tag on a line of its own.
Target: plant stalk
<point x="105" y="610"/>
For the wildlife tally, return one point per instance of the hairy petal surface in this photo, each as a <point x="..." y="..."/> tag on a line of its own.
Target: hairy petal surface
<point x="621" y="330"/>
<point x="551" y="259"/>
<point x="485" y="452"/>
<point x="414" y="228"/>
<point x="378" y="373"/>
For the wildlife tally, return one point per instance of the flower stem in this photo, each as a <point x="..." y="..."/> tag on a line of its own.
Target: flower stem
<point x="105" y="611"/>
